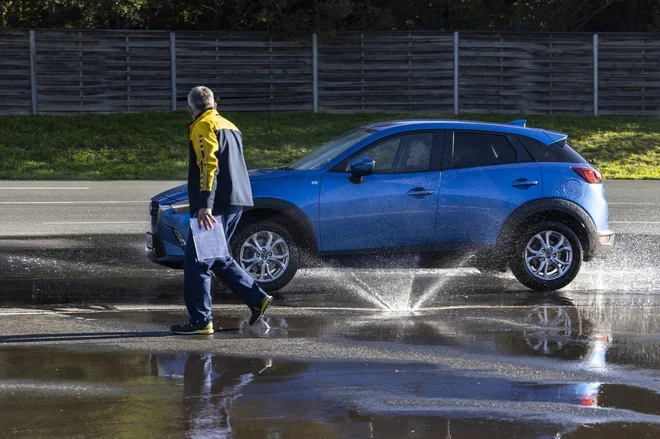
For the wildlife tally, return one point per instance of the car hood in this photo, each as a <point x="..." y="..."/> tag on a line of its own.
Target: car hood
<point x="260" y="174"/>
<point x="180" y="193"/>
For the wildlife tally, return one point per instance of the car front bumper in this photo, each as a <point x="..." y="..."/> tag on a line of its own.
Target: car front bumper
<point x="165" y="242"/>
<point x="168" y="262"/>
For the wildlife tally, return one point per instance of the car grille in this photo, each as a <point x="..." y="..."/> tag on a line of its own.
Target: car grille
<point x="154" y="208"/>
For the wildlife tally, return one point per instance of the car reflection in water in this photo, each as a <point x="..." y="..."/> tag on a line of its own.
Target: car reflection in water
<point x="551" y="326"/>
<point x="556" y="325"/>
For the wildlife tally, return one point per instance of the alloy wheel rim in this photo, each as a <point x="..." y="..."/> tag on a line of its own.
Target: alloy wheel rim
<point x="264" y="256"/>
<point x="548" y="255"/>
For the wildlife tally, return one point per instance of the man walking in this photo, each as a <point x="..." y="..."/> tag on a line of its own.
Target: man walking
<point x="218" y="189"/>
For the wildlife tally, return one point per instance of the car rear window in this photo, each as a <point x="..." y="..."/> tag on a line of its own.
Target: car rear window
<point x="553" y="153"/>
<point x="572" y="154"/>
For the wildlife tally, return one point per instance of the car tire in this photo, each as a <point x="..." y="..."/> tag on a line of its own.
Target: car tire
<point x="253" y="235"/>
<point x="563" y="258"/>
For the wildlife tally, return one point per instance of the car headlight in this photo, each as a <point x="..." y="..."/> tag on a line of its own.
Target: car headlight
<point x="181" y="207"/>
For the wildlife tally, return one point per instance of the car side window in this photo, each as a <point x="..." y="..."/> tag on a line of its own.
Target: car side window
<point x="401" y="154"/>
<point x="481" y="149"/>
<point x="384" y="154"/>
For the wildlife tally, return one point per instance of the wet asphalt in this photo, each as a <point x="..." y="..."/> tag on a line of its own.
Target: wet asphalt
<point x="85" y="349"/>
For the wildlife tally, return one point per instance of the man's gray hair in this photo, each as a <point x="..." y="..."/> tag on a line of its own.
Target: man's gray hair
<point x="200" y="98"/>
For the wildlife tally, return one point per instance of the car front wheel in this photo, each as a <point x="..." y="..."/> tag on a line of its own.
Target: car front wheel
<point x="267" y="252"/>
<point x="547" y="256"/>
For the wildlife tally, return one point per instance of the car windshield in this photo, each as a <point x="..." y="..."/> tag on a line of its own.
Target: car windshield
<point x="325" y="153"/>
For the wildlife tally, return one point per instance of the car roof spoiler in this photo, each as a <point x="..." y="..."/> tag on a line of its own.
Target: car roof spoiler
<point x="555" y="137"/>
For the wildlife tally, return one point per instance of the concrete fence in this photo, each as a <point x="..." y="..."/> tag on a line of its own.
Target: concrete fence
<point x="71" y="71"/>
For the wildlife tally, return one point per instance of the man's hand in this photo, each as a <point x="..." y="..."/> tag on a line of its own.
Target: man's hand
<point x="205" y="218"/>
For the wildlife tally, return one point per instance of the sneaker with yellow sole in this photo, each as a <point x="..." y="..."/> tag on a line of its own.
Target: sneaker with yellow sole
<point x="197" y="328"/>
<point x="257" y="313"/>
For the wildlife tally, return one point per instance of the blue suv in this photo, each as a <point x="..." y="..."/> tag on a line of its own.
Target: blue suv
<point x="499" y="195"/>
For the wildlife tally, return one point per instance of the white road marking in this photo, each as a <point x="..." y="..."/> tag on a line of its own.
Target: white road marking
<point x="23" y="311"/>
<point x="73" y="202"/>
<point x="95" y="222"/>
<point x="634" y="222"/>
<point x="44" y="188"/>
<point x="633" y="204"/>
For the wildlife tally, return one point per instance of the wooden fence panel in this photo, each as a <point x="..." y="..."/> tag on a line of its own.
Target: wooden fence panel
<point x="525" y="73"/>
<point x="15" y="91"/>
<point x="102" y="71"/>
<point x="126" y="71"/>
<point x="387" y="71"/>
<point x="246" y="71"/>
<point x="629" y="75"/>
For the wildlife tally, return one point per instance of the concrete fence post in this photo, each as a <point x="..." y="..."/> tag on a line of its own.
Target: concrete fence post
<point x="33" y="71"/>
<point x="595" y="74"/>
<point x="456" y="73"/>
<point x="173" y="69"/>
<point x="315" y="72"/>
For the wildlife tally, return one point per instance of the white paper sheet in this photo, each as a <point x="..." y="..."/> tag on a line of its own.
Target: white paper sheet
<point x="210" y="244"/>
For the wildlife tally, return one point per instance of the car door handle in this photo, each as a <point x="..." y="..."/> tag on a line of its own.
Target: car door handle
<point x="524" y="183"/>
<point x="420" y="192"/>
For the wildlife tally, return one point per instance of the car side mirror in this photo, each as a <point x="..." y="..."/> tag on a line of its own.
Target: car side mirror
<point x="360" y="168"/>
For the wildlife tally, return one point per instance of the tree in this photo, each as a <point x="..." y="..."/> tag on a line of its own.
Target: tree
<point x="329" y="16"/>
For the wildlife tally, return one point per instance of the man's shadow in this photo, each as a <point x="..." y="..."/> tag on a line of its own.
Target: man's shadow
<point x="84" y="336"/>
<point x="78" y="336"/>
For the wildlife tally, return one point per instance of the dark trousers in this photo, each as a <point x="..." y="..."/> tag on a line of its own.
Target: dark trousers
<point x="197" y="274"/>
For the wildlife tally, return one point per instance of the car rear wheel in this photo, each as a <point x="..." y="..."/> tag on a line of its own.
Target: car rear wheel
<point x="547" y="256"/>
<point x="267" y="252"/>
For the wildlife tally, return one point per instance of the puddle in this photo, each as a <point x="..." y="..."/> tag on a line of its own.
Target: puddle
<point x="55" y="392"/>
<point x="569" y="328"/>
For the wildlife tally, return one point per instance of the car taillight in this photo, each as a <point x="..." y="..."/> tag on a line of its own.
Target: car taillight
<point x="590" y="175"/>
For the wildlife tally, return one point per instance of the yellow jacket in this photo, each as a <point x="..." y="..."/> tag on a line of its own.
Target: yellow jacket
<point x="217" y="174"/>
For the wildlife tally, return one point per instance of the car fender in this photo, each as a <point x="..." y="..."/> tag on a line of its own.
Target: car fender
<point x="303" y="229"/>
<point x="547" y="209"/>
